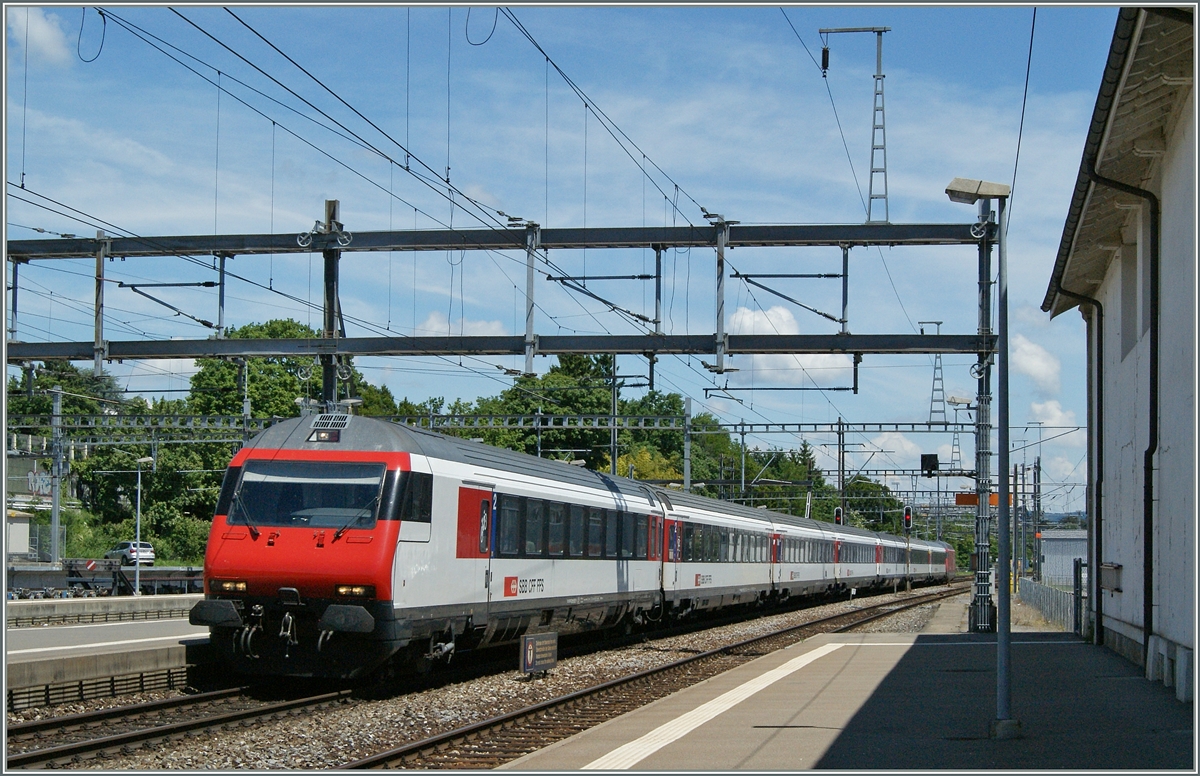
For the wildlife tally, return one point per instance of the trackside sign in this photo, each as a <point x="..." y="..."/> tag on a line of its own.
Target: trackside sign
<point x="539" y="652"/>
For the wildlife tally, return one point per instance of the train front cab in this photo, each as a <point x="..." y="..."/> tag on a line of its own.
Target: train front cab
<point x="298" y="567"/>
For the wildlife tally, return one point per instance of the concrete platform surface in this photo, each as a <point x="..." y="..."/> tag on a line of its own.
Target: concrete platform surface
<point x="58" y="654"/>
<point x="898" y="702"/>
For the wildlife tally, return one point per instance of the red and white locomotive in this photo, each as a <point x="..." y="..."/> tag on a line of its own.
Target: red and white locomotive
<point x="341" y="542"/>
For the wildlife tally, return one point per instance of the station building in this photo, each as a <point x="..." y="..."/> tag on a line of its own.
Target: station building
<point x="1127" y="261"/>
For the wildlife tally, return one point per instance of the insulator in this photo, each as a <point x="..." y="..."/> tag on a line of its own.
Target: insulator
<point x="824" y="59"/>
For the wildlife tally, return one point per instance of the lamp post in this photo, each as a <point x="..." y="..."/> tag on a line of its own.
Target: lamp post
<point x="968" y="191"/>
<point x="137" y="543"/>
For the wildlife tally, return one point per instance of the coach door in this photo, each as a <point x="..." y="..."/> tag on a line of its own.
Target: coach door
<point x="476" y="508"/>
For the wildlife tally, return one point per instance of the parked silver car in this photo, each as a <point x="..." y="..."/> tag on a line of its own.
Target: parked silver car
<point x="130" y="552"/>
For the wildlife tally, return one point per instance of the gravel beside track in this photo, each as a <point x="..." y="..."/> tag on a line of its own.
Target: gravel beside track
<point x="360" y="728"/>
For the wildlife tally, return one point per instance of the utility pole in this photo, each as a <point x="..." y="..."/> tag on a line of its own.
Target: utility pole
<point x="841" y="443"/>
<point x="531" y="246"/>
<point x="612" y="422"/>
<point x="56" y="470"/>
<point x="98" y="344"/>
<point x="981" y="606"/>
<point x="651" y="357"/>
<point x="330" y="331"/>
<point x="687" y="444"/>
<point x="12" y="329"/>
<point x="221" y="299"/>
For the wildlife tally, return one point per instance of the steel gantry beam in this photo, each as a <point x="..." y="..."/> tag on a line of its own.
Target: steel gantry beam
<point x="681" y="344"/>
<point x="740" y="236"/>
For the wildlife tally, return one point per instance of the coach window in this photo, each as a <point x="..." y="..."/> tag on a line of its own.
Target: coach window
<point x="612" y="524"/>
<point x="641" y="548"/>
<point x="555" y="526"/>
<point x="724" y="556"/>
<point x="576" y="533"/>
<point x="628" y="535"/>
<point x="534" y="521"/>
<point x="510" y="525"/>
<point x="714" y="543"/>
<point x="688" y="529"/>
<point x="595" y="536"/>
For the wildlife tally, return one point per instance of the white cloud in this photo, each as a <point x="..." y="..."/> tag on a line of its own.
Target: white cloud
<point x="1031" y="317"/>
<point x="903" y="450"/>
<point x="437" y="325"/>
<point x="1051" y="413"/>
<point x="1060" y="469"/>
<point x="822" y="369"/>
<point x="46" y="36"/>
<point x="1037" y="363"/>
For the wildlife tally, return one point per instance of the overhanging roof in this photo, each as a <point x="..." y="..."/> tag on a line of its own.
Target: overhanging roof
<point x="1150" y="63"/>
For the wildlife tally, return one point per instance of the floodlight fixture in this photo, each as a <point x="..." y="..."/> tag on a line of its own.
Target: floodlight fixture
<point x="968" y="191"/>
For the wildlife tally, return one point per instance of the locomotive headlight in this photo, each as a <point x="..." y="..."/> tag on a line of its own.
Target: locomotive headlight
<point x="228" y="585"/>
<point x="355" y="591"/>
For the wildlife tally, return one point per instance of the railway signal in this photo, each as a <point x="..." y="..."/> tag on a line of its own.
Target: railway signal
<point x="907" y="519"/>
<point x="837" y="515"/>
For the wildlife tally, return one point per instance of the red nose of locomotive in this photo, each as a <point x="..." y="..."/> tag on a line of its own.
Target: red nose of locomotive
<point x="298" y="566"/>
<point x="295" y="525"/>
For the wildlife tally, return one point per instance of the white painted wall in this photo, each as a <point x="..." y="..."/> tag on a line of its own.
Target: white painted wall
<point x="1175" y="542"/>
<point x="1126" y="382"/>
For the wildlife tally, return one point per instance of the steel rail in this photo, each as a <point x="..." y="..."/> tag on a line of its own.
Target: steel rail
<point x="88" y="717"/>
<point x="69" y="752"/>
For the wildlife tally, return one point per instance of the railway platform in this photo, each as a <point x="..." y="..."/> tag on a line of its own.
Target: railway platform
<point x="885" y="701"/>
<point x="69" y="649"/>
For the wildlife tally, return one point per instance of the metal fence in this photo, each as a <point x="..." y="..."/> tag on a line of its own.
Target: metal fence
<point x="1057" y="606"/>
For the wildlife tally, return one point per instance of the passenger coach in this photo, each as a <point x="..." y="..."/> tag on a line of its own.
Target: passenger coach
<point x="342" y="542"/>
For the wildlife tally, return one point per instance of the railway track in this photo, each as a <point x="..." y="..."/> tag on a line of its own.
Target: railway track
<point x="119" y="730"/>
<point x="493" y="742"/>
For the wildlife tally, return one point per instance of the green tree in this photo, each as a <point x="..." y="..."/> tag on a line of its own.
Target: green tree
<point x="83" y="393"/>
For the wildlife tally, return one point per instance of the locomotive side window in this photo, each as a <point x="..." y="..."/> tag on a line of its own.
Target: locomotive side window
<point x="556" y="526"/>
<point x="416" y="501"/>
<point x="228" y="486"/>
<point x="510" y="525"/>
<point x="534" y="540"/>
<point x="485" y="519"/>
<point x="576" y="533"/>
<point x="311" y="494"/>
<point x="641" y="549"/>
<point x="595" y="535"/>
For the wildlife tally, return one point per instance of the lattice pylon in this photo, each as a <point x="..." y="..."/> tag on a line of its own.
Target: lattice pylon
<point x="937" y="399"/>
<point x="878" y="191"/>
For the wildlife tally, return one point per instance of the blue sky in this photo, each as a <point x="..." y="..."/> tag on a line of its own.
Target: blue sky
<point x="725" y="100"/>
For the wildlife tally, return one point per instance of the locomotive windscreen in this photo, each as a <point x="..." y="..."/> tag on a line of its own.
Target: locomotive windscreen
<point x="308" y="493"/>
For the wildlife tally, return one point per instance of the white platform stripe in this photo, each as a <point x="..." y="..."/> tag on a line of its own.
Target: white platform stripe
<point x="97" y="644"/>
<point x="628" y="755"/>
